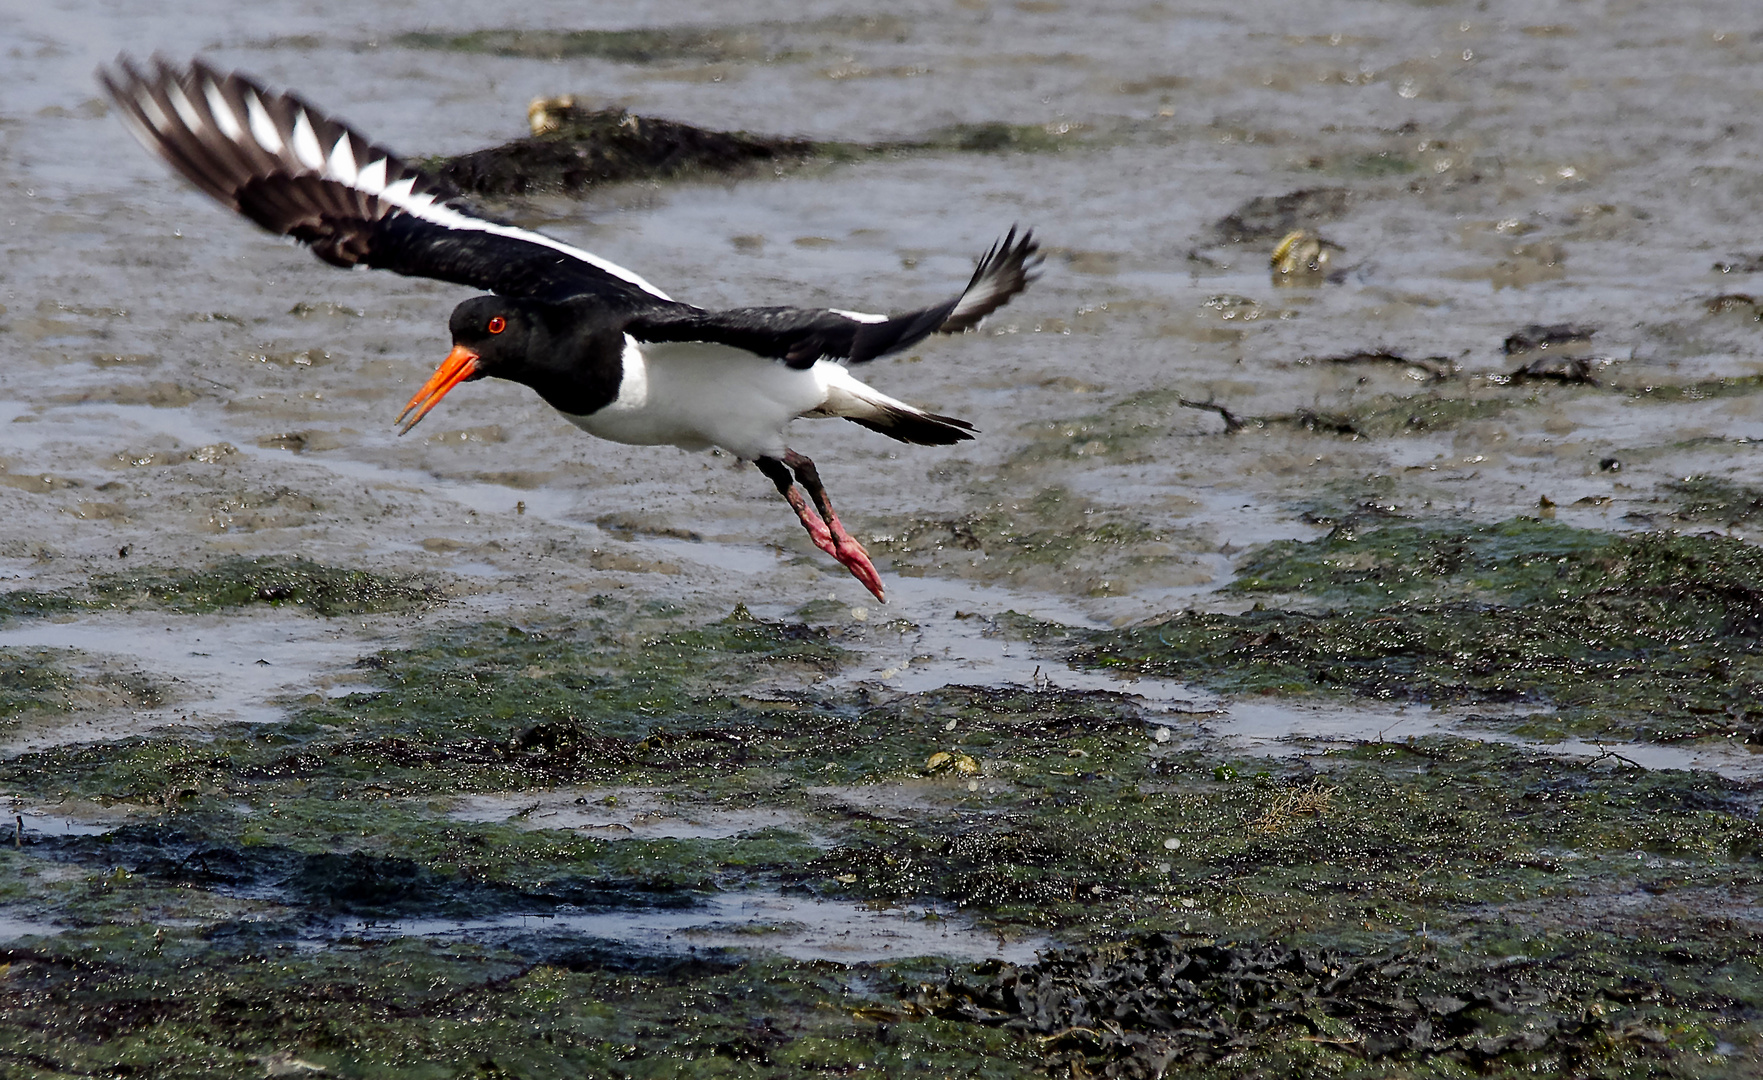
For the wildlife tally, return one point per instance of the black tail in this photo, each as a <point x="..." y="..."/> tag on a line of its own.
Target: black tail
<point x="911" y="426"/>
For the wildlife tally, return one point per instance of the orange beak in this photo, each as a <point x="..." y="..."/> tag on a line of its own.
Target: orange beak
<point x="460" y="365"/>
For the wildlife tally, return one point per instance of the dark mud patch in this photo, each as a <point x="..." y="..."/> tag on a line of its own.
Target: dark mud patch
<point x="1150" y="1004"/>
<point x="1652" y="636"/>
<point x="232" y="583"/>
<point x="331" y="884"/>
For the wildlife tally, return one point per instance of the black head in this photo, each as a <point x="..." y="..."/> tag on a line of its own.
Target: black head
<point x="493" y="336"/>
<point x="569" y="354"/>
<point x="499" y="331"/>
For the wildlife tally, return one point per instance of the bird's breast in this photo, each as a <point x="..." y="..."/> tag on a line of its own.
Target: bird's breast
<point x="697" y="395"/>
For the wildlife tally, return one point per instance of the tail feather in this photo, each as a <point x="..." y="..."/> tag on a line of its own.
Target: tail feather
<point x="909" y="425"/>
<point x="863" y="404"/>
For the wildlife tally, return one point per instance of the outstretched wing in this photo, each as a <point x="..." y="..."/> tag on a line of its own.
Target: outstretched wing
<point x="800" y="336"/>
<point x="297" y="172"/>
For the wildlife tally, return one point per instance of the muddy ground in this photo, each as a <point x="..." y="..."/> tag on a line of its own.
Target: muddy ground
<point x="1345" y="663"/>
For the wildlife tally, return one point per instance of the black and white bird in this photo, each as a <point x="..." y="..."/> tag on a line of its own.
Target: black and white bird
<point x="615" y="355"/>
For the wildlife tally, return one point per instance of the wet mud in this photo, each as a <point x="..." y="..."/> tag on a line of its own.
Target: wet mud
<point x="1337" y="655"/>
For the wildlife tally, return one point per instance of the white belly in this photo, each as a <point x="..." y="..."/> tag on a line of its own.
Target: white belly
<point x="696" y="396"/>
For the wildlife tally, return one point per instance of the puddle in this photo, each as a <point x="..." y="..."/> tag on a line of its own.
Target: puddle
<point x="798" y="927"/>
<point x="40" y="821"/>
<point x="902" y="800"/>
<point x="1282" y="729"/>
<point x="614" y="812"/>
<point x="1630" y="911"/>
<point x="13" y="927"/>
<point x="219" y="669"/>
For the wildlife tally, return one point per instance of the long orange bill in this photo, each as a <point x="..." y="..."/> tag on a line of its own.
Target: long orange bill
<point x="460" y="365"/>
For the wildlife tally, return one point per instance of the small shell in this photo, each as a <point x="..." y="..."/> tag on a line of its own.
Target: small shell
<point x="1302" y="258"/>
<point x="545" y="115"/>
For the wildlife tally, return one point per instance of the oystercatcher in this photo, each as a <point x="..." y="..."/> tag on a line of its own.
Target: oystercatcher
<point x="615" y="355"/>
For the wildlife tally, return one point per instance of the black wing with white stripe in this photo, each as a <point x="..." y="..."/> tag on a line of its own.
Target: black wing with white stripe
<point x="297" y="172"/>
<point x="800" y="337"/>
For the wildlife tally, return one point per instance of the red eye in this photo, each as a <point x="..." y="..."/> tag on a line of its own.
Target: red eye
<point x="497" y="325"/>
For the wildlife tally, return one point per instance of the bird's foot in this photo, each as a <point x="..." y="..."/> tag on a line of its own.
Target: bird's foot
<point x="829" y="535"/>
<point x="852" y="556"/>
<point x="817" y="529"/>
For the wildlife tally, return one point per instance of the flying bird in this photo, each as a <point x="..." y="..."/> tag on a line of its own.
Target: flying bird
<point x="614" y="354"/>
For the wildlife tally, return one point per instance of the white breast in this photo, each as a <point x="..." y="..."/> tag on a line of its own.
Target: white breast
<point x="696" y="396"/>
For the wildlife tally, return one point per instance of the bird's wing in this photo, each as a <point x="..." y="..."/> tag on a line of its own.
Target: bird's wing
<point x="802" y="336"/>
<point x="297" y="172"/>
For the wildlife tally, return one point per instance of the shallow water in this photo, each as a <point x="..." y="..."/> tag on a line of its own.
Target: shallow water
<point x="798" y="927"/>
<point x="624" y="812"/>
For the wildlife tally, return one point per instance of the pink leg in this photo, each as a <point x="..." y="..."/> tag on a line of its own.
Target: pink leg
<point x="824" y="528"/>
<point x="847" y="550"/>
<point x="817" y="529"/>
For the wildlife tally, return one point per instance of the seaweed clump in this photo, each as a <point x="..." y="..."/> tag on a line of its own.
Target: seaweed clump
<point x="232" y="583"/>
<point x="580" y="148"/>
<point x="1136" y="1008"/>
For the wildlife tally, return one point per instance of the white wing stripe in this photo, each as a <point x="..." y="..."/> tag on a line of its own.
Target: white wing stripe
<point x="342" y="163"/>
<point x="223" y="112"/>
<point x="262" y="127"/>
<point x="299" y="148"/>
<point x="372" y="179"/>
<point x="306" y="146"/>
<point x="423" y="206"/>
<point x="859" y="316"/>
<point x="155" y="115"/>
<point x="981" y="295"/>
<point x="186" y="109"/>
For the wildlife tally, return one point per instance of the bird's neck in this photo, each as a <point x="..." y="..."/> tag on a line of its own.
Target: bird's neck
<point x="577" y="373"/>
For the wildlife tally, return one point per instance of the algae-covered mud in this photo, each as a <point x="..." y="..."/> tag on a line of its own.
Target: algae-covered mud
<point x="1338" y="655"/>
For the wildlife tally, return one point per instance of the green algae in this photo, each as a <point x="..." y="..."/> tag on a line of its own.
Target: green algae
<point x="1436" y="847"/>
<point x="169" y="1006"/>
<point x="1052" y="534"/>
<point x="1694" y="390"/>
<point x="1651" y="636"/>
<point x="1581" y="899"/>
<point x="230" y="583"/>
<point x="1708" y="498"/>
<point x="487" y="707"/>
<point x="32" y="680"/>
<point x="1120" y="837"/>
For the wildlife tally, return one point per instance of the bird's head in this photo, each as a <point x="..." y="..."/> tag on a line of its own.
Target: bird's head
<point x="492" y="336"/>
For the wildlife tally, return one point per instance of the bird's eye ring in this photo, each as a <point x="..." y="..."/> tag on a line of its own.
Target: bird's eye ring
<point x="497" y="325"/>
